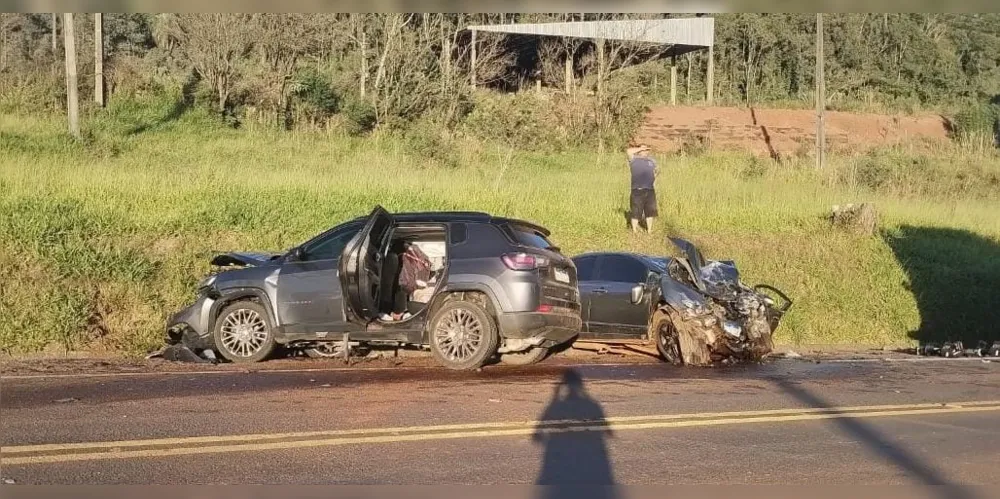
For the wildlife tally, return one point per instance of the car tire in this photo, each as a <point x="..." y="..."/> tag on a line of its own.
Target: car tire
<point x="533" y="355"/>
<point x="463" y="335"/>
<point x="330" y="350"/>
<point x="333" y="350"/>
<point x="664" y="335"/>
<point x="243" y="333"/>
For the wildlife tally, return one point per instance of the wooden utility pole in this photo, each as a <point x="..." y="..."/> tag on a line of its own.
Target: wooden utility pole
<point x="710" y="77"/>
<point x="472" y="68"/>
<point x="600" y="68"/>
<point x="99" y="59"/>
<point x="569" y="71"/>
<point x="820" y="95"/>
<point x="72" y="100"/>
<point x="673" y="80"/>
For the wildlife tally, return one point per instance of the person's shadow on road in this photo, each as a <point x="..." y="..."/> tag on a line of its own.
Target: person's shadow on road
<point x="573" y="430"/>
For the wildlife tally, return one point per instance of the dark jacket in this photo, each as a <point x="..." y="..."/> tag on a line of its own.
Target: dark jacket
<point x="416" y="267"/>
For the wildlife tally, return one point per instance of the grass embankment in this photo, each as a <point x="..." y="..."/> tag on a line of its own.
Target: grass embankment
<point x="101" y="240"/>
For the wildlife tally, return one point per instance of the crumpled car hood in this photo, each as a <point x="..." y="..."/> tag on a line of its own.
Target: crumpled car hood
<point x="243" y="259"/>
<point x="694" y="258"/>
<point x="720" y="278"/>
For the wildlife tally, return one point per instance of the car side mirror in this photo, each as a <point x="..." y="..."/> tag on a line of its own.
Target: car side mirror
<point x="297" y="254"/>
<point x="637" y="293"/>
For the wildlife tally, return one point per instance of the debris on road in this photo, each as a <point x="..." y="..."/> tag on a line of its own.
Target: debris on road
<point x="66" y="400"/>
<point x="651" y="351"/>
<point x="953" y="349"/>
<point x="615" y="349"/>
<point x="181" y="353"/>
<point x="8" y="481"/>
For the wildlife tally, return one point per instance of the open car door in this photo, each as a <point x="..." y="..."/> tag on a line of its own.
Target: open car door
<point x="361" y="267"/>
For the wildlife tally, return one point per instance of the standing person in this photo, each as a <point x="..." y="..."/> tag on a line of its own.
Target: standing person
<point x="643" y="196"/>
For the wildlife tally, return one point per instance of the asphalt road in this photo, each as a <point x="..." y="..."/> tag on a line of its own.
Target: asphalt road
<point x="787" y="422"/>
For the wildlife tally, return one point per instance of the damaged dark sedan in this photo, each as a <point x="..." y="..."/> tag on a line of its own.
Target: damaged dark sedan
<point x="695" y="312"/>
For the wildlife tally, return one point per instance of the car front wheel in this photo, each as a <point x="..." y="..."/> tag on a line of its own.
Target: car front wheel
<point x="463" y="335"/>
<point x="243" y="332"/>
<point x="664" y="334"/>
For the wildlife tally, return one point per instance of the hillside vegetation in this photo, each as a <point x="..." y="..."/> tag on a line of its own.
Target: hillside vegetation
<point x="355" y="72"/>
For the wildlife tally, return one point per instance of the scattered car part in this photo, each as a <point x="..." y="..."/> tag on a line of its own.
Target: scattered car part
<point x="929" y="349"/>
<point x="178" y="352"/>
<point x="952" y="349"/>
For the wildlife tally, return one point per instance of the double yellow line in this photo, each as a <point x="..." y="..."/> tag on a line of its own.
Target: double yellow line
<point x="181" y="446"/>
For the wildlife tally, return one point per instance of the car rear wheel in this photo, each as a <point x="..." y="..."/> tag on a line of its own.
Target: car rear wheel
<point x="664" y="334"/>
<point x="243" y="333"/>
<point x="530" y="356"/>
<point x="463" y="335"/>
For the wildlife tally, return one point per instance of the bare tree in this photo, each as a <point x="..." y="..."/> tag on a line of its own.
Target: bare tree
<point x="281" y="40"/>
<point x="608" y="56"/>
<point x="72" y="100"/>
<point x="552" y="63"/>
<point x="6" y="25"/>
<point x="416" y="62"/>
<point x="492" y="57"/>
<point x="215" y="44"/>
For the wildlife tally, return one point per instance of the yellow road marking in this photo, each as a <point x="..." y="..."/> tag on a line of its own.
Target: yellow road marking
<point x="465" y="426"/>
<point x="54" y="453"/>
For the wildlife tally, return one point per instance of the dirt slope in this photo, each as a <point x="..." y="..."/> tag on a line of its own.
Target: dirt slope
<point x="782" y="132"/>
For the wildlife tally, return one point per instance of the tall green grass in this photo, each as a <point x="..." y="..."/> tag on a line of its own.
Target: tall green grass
<point x="101" y="239"/>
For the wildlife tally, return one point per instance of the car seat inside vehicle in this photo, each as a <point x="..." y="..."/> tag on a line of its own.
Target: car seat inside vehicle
<point x="413" y="264"/>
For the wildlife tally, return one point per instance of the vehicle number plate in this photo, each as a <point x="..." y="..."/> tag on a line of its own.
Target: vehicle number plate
<point x="562" y="275"/>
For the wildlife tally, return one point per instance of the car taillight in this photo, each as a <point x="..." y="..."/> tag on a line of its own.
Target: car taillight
<point x="544" y="309"/>
<point x="523" y="261"/>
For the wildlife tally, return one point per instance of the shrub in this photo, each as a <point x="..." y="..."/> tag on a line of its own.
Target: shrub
<point x="316" y="96"/>
<point x="977" y="119"/>
<point x="359" y="117"/>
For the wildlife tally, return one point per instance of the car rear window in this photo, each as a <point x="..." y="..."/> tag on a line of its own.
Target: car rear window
<point x="530" y="238"/>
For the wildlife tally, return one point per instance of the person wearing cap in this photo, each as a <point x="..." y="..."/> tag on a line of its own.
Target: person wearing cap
<point x="642" y="199"/>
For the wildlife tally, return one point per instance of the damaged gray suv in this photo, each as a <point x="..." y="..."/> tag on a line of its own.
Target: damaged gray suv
<point x="497" y="286"/>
